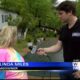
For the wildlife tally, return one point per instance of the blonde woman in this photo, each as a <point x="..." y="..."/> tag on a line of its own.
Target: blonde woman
<point x="8" y="36"/>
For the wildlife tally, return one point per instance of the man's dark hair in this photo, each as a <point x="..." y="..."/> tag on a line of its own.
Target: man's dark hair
<point x="67" y="6"/>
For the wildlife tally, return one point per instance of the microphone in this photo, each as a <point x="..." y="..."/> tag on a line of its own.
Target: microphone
<point x="34" y="49"/>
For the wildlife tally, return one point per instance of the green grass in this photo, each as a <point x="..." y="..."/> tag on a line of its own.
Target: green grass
<point x="20" y="45"/>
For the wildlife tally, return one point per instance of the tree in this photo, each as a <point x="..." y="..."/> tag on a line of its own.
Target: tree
<point x="78" y="7"/>
<point x="35" y="14"/>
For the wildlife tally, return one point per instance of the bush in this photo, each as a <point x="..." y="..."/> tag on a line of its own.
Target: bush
<point x="29" y="38"/>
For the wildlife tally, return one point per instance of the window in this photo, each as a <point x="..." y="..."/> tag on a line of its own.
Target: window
<point x="4" y="18"/>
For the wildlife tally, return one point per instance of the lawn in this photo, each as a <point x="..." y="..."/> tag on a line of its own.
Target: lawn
<point x="20" y="46"/>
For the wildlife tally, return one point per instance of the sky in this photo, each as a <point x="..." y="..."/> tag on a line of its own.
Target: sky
<point x="59" y="1"/>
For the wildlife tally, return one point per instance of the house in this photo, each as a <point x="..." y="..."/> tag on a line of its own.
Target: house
<point x="4" y="15"/>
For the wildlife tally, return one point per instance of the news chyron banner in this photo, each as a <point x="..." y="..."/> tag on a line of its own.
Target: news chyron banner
<point x="39" y="65"/>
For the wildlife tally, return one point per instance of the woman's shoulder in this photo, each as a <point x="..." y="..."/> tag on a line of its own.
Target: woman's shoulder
<point x="14" y="55"/>
<point x="3" y="54"/>
<point x="3" y="51"/>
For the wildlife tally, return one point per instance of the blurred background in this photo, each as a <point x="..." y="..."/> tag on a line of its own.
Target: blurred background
<point x="38" y="24"/>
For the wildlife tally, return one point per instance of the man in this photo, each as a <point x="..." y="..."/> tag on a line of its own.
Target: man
<point x="69" y="38"/>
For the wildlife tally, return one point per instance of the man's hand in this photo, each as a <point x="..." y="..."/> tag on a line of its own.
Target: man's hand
<point x="41" y="51"/>
<point x="77" y="74"/>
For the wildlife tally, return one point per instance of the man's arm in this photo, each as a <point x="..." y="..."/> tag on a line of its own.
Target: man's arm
<point x="55" y="48"/>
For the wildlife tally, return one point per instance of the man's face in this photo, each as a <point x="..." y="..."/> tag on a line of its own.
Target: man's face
<point x="64" y="17"/>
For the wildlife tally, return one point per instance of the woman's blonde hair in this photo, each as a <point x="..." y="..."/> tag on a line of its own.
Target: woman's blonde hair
<point x="8" y="36"/>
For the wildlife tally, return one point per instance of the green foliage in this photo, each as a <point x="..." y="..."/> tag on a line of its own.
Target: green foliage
<point x="78" y="8"/>
<point x="20" y="45"/>
<point x="29" y="38"/>
<point x="40" y="34"/>
<point x="14" y="22"/>
<point x="34" y="13"/>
